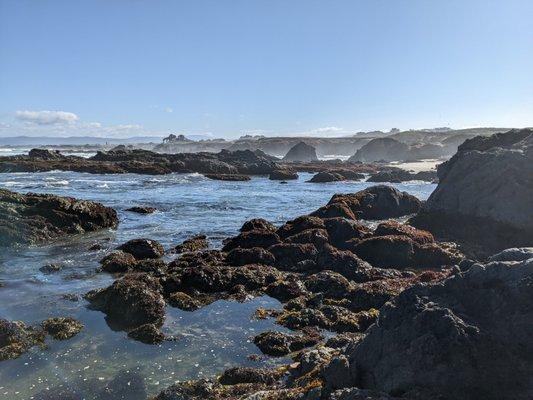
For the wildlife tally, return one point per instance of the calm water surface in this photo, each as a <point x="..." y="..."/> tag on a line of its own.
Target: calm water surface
<point x="210" y="339"/>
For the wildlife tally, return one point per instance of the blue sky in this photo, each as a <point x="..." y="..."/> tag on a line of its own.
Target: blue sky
<point x="227" y="68"/>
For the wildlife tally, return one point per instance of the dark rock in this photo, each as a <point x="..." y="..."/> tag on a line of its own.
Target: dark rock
<point x="335" y="210"/>
<point x="50" y="268"/>
<point x="279" y="344"/>
<point x="301" y="152"/>
<point x="283" y="175"/>
<point x="330" y="283"/>
<point x="249" y="239"/>
<point x="32" y="218"/>
<point x="392" y="227"/>
<point x="183" y="301"/>
<point x="16" y="338"/>
<point x="228" y="177"/>
<point x="465" y="338"/>
<point x="147" y="333"/>
<point x="396" y="251"/>
<point x="288" y="255"/>
<point x="299" y="225"/>
<point x="378" y="202"/>
<point x="195" y="243"/>
<point x="45" y="154"/>
<point x="255" y="255"/>
<point x="238" y="375"/>
<point x="129" y="302"/>
<point x="483" y="199"/>
<point x="327" y="176"/>
<point x="95" y="247"/>
<point x="513" y="254"/>
<point x="317" y="237"/>
<point x="284" y="290"/>
<point x="143" y="248"/>
<point x="341" y="230"/>
<point x="258" y="224"/>
<point x="343" y="262"/>
<point x="118" y="261"/>
<point x="61" y="328"/>
<point x="142" y="210"/>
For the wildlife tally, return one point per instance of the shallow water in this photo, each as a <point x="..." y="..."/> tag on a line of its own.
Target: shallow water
<point x="210" y="339"/>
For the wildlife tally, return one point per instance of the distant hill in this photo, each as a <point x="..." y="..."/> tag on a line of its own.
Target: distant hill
<point x="72" y="140"/>
<point x="438" y="135"/>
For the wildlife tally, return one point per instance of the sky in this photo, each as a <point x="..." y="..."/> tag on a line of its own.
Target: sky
<point x="225" y="68"/>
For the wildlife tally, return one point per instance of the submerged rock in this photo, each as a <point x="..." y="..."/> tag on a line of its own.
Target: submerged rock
<point x="50" y="268"/>
<point x="147" y="333"/>
<point x="32" y="218"/>
<point x="16" y="338"/>
<point x="228" y="177"/>
<point x="279" y="344"/>
<point x="61" y="328"/>
<point x="142" y="210"/>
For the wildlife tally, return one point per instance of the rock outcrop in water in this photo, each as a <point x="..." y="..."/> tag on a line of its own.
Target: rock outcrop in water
<point x="32" y="218"/>
<point x="301" y="152"/>
<point x="243" y="162"/>
<point x="16" y="338"/>
<point x="485" y="192"/>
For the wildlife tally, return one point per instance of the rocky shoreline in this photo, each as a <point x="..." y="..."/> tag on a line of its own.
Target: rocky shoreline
<point x="438" y="307"/>
<point x="226" y="165"/>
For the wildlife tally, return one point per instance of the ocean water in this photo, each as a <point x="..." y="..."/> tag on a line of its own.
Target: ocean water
<point x="209" y="340"/>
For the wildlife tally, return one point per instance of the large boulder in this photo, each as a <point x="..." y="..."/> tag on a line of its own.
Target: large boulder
<point x="301" y="152"/>
<point x="31" y="218"/>
<point x="484" y="194"/>
<point x="468" y="337"/>
<point x="376" y="202"/>
<point x="130" y="302"/>
<point x="381" y="149"/>
<point x="142" y="249"/>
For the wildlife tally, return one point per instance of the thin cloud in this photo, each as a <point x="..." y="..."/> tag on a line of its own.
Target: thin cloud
<point x="46" y="117"/>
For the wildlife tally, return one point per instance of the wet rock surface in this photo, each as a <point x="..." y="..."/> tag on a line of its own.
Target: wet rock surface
<point x="61" y="328"/>
<point x="142" y="249"/>
<point x="195" y="243"/>
<point x="33" y="218"/>
<point x="142" y="210"/>
<point x="228" y="177"/>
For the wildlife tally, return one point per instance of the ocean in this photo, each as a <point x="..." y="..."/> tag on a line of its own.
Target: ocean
<point x="209" y="340"/>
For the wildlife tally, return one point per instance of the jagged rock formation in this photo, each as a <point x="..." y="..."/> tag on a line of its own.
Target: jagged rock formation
<point x="485" y="192"/>
<point x="468" y="337"/>
<point x="32" y="218"/>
